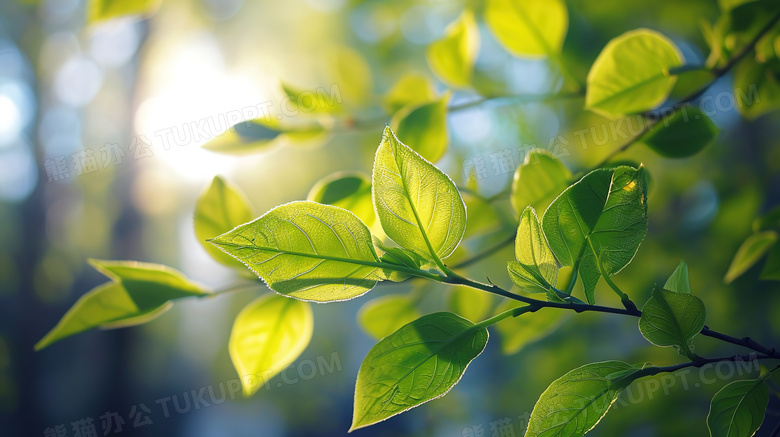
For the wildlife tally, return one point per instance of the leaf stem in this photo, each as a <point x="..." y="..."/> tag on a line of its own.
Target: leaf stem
<point x="514" y="312"/>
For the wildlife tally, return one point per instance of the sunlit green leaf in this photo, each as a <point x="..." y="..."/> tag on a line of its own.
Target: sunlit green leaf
<point x="256" y="135"/>
<point x="528" y="28"/>
<point x="267" y="336"/>
<point x="384" y="315"/>
<point x="632" y="74"/>
<point x="683" y="134"/>
<point x="738" y="409"/>
<point x="219" y="209"/>
<point x="576" y="402"/>
<point x="535" y="269"/>
<point x="538" y="181"/>
<point x="452" y="57"/>
<point x="672" y="319"/>
<point x="678" y="282"/>
<point x="424" y="128"/>
<point x="101" y="10"/>
<point x="420" y="362"/>
<point x="418" y="205"/>
<point x="410" y="89"/>
<point x="598" y="223"/>
<point x="348" y="190"/>
<point x="484" y="227"/>
<point x="308" y="251"/>
<point x="470" y="303"/>
<point x="138" y="293"/>
<point x="350" y="72"/>
<point x="518" y="332"/>
<point x="748" y="254"/>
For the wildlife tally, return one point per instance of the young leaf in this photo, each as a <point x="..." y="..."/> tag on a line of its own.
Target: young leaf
<point x="256" y="135"/>
<point x="267" y="336"/>
<point x="308" y="251"/>
<point x="672" y="319"/>
<point x="535" y="269"/>
<point x="384" y="315"/>
<point x="678" y="282"/>
<point x="631" y="74"/>
<point x="528" y="28"/>
<point x="538" y="181"/>
<point x="352" y="74"/>
<point x="418" y="205"/>
<point x="420" y="362"/>
<point x="598" y="223"/>
<point x="138" y="293"/>
<point x="750" y="77"/>
<point x="452" y="57"/>
<point x="683" y="134"/>
<point x="519" y="332"/>
<point x="348" y="190"/>
<point x="470" y="303"/>
<point x="424" y="127"/>
<point x="102" y="10"/>
<point x="738" y="409"/>
<point x="576" y="402"/>
<point x="751" y="250"/>
<point x="219" y="209"/>
<point x="411" y="89"/>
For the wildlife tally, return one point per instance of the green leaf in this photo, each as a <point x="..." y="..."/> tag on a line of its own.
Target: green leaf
<point x="528" y="28"/>
<point x="538" y="181"/>
<point x="452" y="57"/>
<point x="384" y="315"/>
<point x="352" y="74"/>
<point x="420" y="362"/>
<point x="348" y="190"/>
<point x="672" y="319"/>
<point x="678" y="282"/>
<point x="748" y="254"/>
<point x="469" y="303"/>
<point x="219" y="209"/>
<point x="683" y="134"/>
<point x="260" y="134"/>
<point x="308" y="251"/>
<point x="768" y="221"/>
<point x="576" y="402"/>
<point x="410" y="89"/>
<point x="518" y="332"/>
<point x="598" y="223"/>
<point x="424" y="127"/>
<point x="535" y="269"/>
<point x="102" y="10"/>
<point x="632" y="74"/>
<point x="267" y="336"/>
<point x="738" y="409"/>
<point x="750" y="77"/>
<point x="418" y="205"/>
<point x="138" y="293"/>
<point x="771" y="270"/>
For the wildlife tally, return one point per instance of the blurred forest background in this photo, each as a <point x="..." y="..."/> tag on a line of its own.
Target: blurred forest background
<point x="69" y="92"/>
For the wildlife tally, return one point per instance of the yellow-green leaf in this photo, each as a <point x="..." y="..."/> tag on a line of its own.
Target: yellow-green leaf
<point x="418" y="205"/>
<point x="529" y="28"/>
<point x="748" y="254"/>
<point x="452" y="57"/>
<point x="261" y="134"/>
<point x="384" y="315"/>
<point x="308" y="251"/>
<point x="470" y="303"/>
<point x="534" y="269"/>
<point x="410" y="89"/>
<point x="424" y="127"/>
<point x="518" y="332"/>
<point x="351" y="191"/>
<point x="351" y="73"/>
<point x="538" y="181"/>
<point x="267" y="336"/>
<point x="632" y="74"/>
<point x="219" y="209"/>
<point x="102" y="10"/>
<point x="138" y="293"/>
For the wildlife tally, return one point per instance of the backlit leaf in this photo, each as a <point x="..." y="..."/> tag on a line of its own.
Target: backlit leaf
<point x="418" y="205"/>
<point x="678" y="282"/>
<point x="219" y="209"/>
<point x="267" y="336"/>
<point x="534" y="269"/>
<point x="424" y="127"/>
<point x="631" y="74"/>
<point x="410" y="89"/>
<point x="308" y="251"/>
<point x="528" y="28"/>
<point x="348" y="190"/>
<point x="748" y="254"/>
<point x="683" y="134"/>
<point x="538" y="181"/>
<point x="102" y="10"/>
<point x="452" y="57"/>
<point x="672" y="319"/>
<point x="738" y="409"/>
<point x="420" y="362"/>
<point x="384" y="315"/>
<point x="469" y="303"/>
<point x="518" y="332"/>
